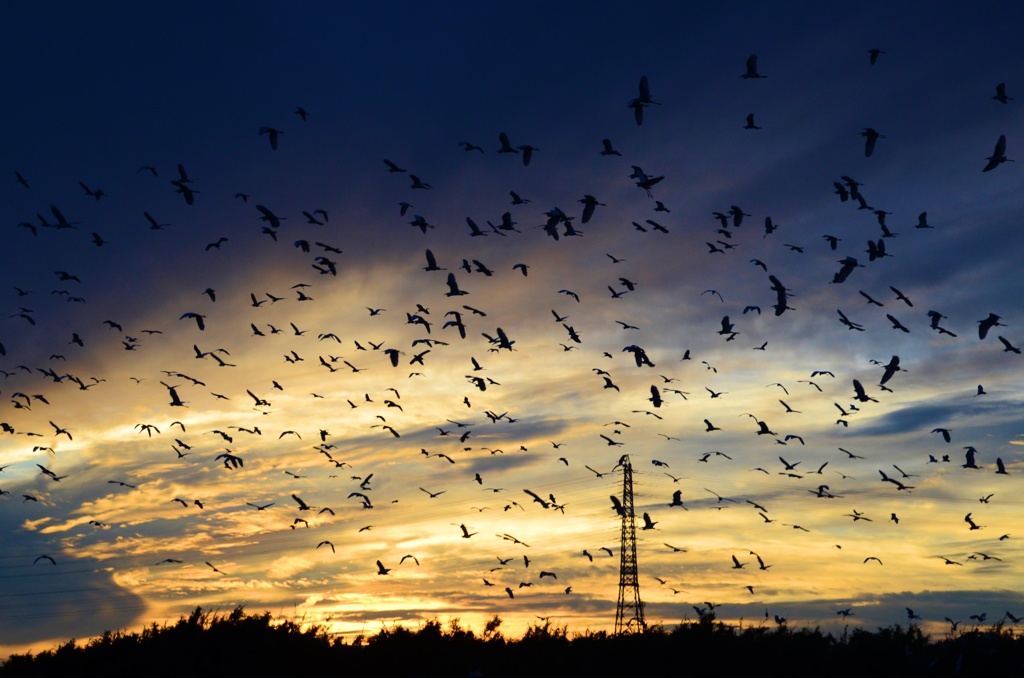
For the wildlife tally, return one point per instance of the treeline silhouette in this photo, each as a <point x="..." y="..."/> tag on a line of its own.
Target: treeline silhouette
<point x="239" y="643"/>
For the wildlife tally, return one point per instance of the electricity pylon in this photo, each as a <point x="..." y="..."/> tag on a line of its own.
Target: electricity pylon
<point x="629" y="614"/>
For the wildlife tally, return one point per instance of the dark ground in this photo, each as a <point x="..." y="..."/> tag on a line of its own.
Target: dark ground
<point x="240" y="643"/>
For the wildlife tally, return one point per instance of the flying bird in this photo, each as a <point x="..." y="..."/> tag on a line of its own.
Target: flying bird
<point x="607" y="148"/>
<point x="643" y="100"/>
<point x="998" y="156"/>
<point x="985" y="324"/>
<point x="197" y="317"/>
<point x="272" y="135"/>
<point x="871" y="137"/>
<point x="751" y="70"/>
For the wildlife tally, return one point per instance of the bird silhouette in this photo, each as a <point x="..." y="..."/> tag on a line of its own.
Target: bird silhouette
<point x="272" y="135"/>
<point x="998" y="156"/>
<point x="985" y="324"/>
<point x="871" y="137"/>
<point x="607" y="148"/>
<point x="641" y="101"/>
<point x="751" y="69"/>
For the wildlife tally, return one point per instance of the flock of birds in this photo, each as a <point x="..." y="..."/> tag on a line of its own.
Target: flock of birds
<point x="475" y="443"/>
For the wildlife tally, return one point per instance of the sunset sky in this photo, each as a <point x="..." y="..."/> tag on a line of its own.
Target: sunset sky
<point x="97" y="326"/>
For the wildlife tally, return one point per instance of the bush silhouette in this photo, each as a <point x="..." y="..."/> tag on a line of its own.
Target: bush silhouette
<point x="238" y="643"/>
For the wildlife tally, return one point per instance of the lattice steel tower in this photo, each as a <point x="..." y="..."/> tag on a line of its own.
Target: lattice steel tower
<point x="629" y="615"/>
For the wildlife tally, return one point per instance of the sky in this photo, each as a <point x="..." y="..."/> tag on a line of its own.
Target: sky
<point x="120" y="508"/>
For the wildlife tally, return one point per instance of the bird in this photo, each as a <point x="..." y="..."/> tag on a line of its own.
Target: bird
<point x="590" y="204"/>
<point x="154" y="225"/>
<point x="197" y="317"/>
<point x="640" y="102"/>
<point x="714" y="293"/>
<point x="890" y="369"/>
<point x="751" y="69"/>
<point x="97" y="193"/>
<point x="896" y="324"/>
<point x="517" y="199"/>
<point x="985" y="324"/>
<point x="1000" y="95"/>
<point x="900" y="296"/>
<point x="859" y="393"/>
<point x="898" y="484"/>
<point x="58" y="431"/>
<point x="857" y="515"/>
<point x="1008" y="347"/>
<point x="381" y="570"/>
<point x="272" y="135"/>
<point x="607" y="148"/>
<point x="453" y="287"/>
<point x="969" y="458"/>
<point x="848" y="323"/>
<point x="506" y="146"/>
<point x="998" y="156"/>
<point x="418" y="183"/>
<point x="871" y="137"/>
<point x="214" y="568"/>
